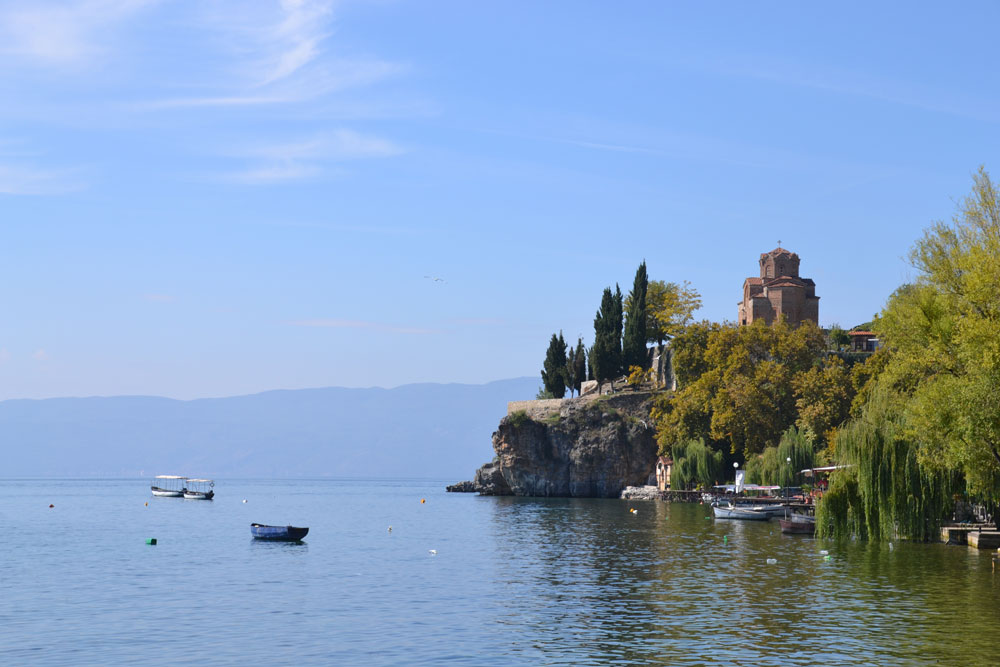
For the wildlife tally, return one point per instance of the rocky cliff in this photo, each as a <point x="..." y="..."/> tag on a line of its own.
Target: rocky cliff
<point x="589" y="447"/>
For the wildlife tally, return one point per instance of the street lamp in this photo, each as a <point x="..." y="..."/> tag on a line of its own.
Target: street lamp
<point x="788" y="460"/>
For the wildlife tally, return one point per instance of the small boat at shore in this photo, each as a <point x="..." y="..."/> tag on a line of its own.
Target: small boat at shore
<point x="168" y="486"/>
<point x="730" y="511"/>
<point x="200" y="489"/>
<point x="278" y="533"/>
<point x="798" y="524"/>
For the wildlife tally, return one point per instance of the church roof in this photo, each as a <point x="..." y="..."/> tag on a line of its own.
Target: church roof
<point x="778" y="251"/>
<point x="753" y="280"/>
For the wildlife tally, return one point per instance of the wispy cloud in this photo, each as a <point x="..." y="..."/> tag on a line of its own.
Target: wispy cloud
<point x="305" y="159"/>
<point x="17" y="179"/>
<point x="862" y="84"/>
<point x="295" y="40"/>
<point x="62" y="33"/>
<point x="360" y="324"/>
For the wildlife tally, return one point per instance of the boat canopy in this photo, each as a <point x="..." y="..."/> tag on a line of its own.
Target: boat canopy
<point x="203" y="481"/>
<point x="746" y="487"/>
<point x="809" y="472"/>
<point x="170" y="477"/>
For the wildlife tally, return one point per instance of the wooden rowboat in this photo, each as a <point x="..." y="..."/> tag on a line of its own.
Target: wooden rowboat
<point x="277" y="533"/>
<point x="798" y="524"/>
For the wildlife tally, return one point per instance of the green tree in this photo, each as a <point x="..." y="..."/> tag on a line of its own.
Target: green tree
<point x="606" y="354"/>
<point x="823" y="397"/>
<point x="669" y="309"/>
<point x="616" y="332"/>
<point x="570" y="371"/>
<point x="740" y="384"/>
<point x="580" y="365"/>
<point x="839" y="339"/>
<point x="634" y="340"/>
<point x="554" y="367"/>
<point x="695" y="464"/>
<point x="928" y="416"/>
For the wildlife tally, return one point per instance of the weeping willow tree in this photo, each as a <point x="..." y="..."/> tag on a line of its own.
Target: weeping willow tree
<point x="885" y="493"/>
<point x="781" y="465"/>
<point x="695" y="464"/>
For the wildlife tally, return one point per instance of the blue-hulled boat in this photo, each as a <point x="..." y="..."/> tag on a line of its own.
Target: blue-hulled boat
<point x="278" y="533"/>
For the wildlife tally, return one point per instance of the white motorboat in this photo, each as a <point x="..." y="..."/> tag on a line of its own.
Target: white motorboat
<point x="168" y="486"/>
<point x="730" y="511"/>
<point x="199" y="489"/>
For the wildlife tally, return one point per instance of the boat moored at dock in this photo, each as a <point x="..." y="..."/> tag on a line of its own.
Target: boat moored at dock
<point x="730" y="511"/>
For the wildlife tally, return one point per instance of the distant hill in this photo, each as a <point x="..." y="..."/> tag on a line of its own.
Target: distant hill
<point x="417" y="430"/>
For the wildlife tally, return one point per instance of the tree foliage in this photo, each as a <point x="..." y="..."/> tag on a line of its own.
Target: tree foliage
<point x="839" y="339"/>
<point x="669" y="309"/>
<point x="747" y="385"/>
<point x="928" y="412"/>
<point x="782" y="465"/>
<point x="695" y="464"/>
<point x="554" y="367"/>
<point x="634" y="339"/>
<point x="885" y="493"/>
<point x="606" y="353"/>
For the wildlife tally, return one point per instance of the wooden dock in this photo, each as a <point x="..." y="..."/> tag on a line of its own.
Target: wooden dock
<point x="985" y="539"/>
<point x="960" y="534"/>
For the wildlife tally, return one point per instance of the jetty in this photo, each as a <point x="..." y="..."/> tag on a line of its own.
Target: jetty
<point x="980" y="536"/>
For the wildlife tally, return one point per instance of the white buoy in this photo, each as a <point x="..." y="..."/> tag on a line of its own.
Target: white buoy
<point x="244" y="500"/>
<point x="432" y="552"/>
<point x="823" y="552"/>
<point x="772" y="561"/>
<point x="890" y="546"/>
<point x="390" y="529"/>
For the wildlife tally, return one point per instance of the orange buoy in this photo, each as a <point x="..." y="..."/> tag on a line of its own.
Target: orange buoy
<point x="423" y="500"/>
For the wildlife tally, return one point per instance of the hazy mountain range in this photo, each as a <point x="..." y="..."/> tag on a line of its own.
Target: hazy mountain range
<point x="417" y="430"/>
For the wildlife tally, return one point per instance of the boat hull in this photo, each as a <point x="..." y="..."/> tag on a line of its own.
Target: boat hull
<point x="166" y="493"/>
<point x="278" y="533"/>
<point x="199" y="495"/>
<point x="739" y="513"/>
<point x="797" y="527"/>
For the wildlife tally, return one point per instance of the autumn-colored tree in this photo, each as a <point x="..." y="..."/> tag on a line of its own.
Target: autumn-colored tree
<point x="740" y="385"/>
<point x="669" y="309"/>
<point x="823" y="398"/>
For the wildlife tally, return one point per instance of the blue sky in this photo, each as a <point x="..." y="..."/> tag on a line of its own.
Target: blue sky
<point x="222" y="197"/>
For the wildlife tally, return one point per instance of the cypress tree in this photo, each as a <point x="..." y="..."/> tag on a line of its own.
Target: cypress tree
<point x="617" y="343"/>
<point x="634" y="341"/>
<point x="571" y="370"/>
<point x="580" y="361"/>
<point x="554" y="367"/>
<point x="605" y="356"/>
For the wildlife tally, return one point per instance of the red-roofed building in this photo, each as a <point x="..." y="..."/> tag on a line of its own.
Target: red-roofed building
<point x="863" y="341"/>
<point x="779" y="291"/>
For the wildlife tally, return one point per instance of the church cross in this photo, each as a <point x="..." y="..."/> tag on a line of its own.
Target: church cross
<point x="779" y="243"/>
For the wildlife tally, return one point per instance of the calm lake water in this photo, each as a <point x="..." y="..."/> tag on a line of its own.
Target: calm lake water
<point x="514" y="581"/>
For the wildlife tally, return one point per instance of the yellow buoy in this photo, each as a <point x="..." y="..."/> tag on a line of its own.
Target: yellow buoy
<point x="423" y="500"/>
<point x="147" y="504"/>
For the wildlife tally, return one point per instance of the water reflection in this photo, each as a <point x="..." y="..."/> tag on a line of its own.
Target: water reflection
<point x="590" y="580"/>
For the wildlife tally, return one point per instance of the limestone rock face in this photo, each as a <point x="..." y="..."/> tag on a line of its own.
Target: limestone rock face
<point x="590" y="448"/>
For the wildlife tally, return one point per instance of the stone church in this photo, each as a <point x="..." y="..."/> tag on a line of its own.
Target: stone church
<point x="779" y="291"/>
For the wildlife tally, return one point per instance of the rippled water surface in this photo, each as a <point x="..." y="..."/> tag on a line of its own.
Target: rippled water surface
<point x="514" y="581"/>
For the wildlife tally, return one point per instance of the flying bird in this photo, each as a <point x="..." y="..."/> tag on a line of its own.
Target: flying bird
<point x="436" y="279"/>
